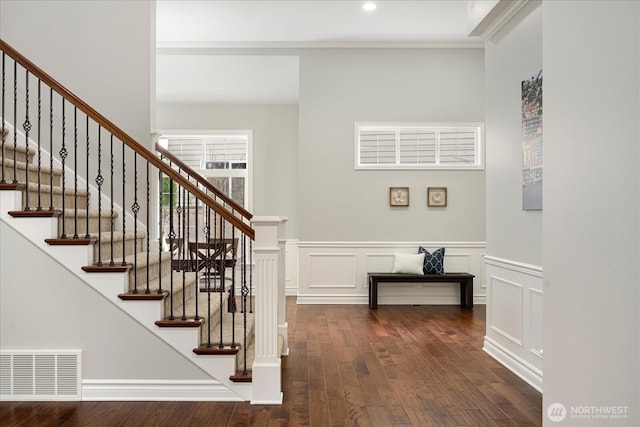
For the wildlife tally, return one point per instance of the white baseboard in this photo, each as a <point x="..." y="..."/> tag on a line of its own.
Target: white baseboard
<point x="333" y="299"/>
<point x="530" y="374"/>
<point x="156" y="390"/>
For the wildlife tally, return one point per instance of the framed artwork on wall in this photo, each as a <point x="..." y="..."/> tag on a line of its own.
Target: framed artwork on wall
<point x="532" y="146"/>
<point x="398" y="196"/>
<point x="437" y="197"/>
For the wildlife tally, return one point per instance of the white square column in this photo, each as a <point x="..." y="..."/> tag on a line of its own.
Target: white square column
<point x="266" y="371"/>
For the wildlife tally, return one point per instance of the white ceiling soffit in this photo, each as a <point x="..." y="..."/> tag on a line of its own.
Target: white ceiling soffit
<point x="227" y="79"/>
<point x="307" y="23"/>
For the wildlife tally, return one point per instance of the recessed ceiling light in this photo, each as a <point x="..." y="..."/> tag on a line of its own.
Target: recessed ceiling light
<point x="369" y="6"/>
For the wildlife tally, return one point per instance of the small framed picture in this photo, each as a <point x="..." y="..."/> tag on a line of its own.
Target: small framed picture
<point x="437" y="196"/>
<point x="398" y="196"/>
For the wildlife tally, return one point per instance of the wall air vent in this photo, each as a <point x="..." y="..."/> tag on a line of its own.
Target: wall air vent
<point x="40" y="375"/>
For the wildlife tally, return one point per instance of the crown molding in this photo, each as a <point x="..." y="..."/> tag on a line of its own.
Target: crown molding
<point x="169" y="47"/>
<point x="497" y="17"/>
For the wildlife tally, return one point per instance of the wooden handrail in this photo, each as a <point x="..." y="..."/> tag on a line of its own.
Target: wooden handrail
<point x="182" y="165"/>
<point x="125" y="138"/>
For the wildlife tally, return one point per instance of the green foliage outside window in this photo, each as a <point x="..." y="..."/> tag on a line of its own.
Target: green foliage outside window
<point x="168" y="187"/>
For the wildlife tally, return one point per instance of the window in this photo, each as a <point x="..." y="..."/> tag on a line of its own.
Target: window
<point x="222" y="159"/>
<point x="419" y="146"/>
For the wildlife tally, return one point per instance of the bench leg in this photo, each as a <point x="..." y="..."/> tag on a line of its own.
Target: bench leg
<point x="466" y="293"/>
<point x="373" y="293"/>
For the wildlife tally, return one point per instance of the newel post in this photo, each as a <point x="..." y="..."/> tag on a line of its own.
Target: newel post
<point x="266" y="371"/>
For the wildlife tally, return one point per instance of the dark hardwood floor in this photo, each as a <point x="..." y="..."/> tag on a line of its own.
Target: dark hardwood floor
<point x="349" y="366"/>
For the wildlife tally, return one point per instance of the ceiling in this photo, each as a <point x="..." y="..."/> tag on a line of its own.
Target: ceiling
<point x="186" y="29"/>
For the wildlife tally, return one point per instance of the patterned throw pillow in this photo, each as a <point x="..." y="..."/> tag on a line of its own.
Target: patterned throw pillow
<point x="433" y="262"/>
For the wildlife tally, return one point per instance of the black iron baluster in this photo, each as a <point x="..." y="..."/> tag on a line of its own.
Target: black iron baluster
<point x="99" y="181"/>
<point x="124" y="203"/>
<point x="86" y="234"/>
<point x="250" y="276"/>
<point x="4" y="72"/>
<point x="15" y="119"/>
<point x="208" y="240"/>
<point x="148" y="225"/>
<point x="172" y="239"/>
<point x="232" y="291"/>
<point x="135" y="208"/>
<point x="27" y="128"/>
<point x="220" y="241"/>
<point x="185" y="239"/>
<point x="244" y="300"/>
<point x="39" y="207"/>
<point x="197" y="285"/>
<point x="111" y="196"/>
<point x="51" y="149"/>
<point x="63" y="155"/>
<point x="75" y="172"/>
<point x="160" y="219"/>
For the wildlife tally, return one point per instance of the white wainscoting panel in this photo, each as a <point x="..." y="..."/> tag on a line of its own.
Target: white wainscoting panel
<point x="506" y="302"/>
<point x="336" y="272"/>
<point x="535" y="322"/>
<point x="514" y="317"/>
<point x="291" y="272"/>
<point x="332" y="270"/>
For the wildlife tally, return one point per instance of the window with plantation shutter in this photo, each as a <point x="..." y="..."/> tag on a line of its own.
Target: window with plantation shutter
<point x="221" y="159"/>
<point x="419" y="146"/>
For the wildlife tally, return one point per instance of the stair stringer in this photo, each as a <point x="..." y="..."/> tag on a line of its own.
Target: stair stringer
<point x="109" y="285"/>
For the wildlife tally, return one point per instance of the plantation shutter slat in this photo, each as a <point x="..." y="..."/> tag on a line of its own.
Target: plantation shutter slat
<point x="378" y="147"/>
<point x="458" y="146"/>
<point x="417" y="146"/>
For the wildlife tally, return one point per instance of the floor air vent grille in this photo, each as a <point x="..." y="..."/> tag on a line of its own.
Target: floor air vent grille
<point x="40" y="375"/>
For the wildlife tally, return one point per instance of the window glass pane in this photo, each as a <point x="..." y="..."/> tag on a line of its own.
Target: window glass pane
<point x="221" y="183"/>
<point x="237" y="190"/>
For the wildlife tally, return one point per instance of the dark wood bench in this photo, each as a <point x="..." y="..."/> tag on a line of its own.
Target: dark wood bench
<point x="465" y="280"/>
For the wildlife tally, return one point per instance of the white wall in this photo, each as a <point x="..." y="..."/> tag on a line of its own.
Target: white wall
<point x="275" y="148"/>
<point x="513" y="266"/>
<point x="102" y="52"/>
<point x="49" y="308"/>
<point x="108" y="43"/>
<point x="591" y="222"/>
<point x="512" y="55"/>
<point x="341" y="86"/>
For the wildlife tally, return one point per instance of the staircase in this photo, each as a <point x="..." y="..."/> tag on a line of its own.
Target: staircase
<point x="205" y="311"/>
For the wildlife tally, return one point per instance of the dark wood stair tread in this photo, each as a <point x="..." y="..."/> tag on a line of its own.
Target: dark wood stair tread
<point x="71" y="241"/>
<point x="106" y="268"/>
<point x="12" y="186"/>
<point x="213" y="349"/>
<point x="241" y="377"/>
<point x="179" y="323"/>
<point x="35" y="213"/>
<point x="142" y="296"/>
